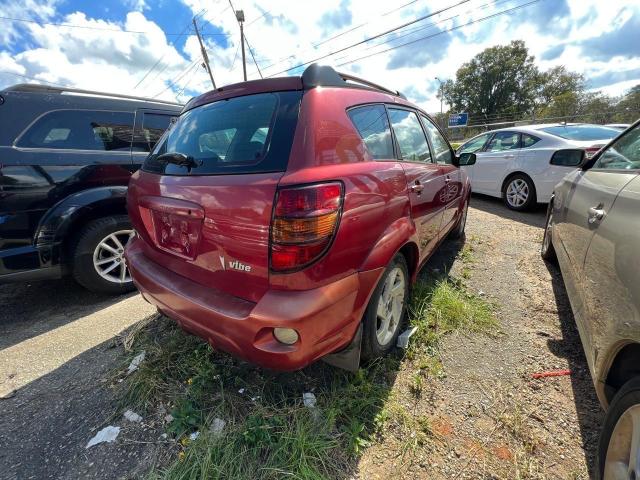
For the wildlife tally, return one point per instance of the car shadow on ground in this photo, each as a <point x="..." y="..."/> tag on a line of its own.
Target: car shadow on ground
<point x="45" y="426"/>
<point x="589" y="412"/>
<point x="535" y="217"/>
<point x="31" y="309"/>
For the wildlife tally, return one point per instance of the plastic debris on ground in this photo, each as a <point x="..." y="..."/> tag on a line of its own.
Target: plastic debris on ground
<point x="403" y="338"/>
<point x="168" y="418"/>
<point x="217" y="426"/>
<point x="241" y="391"/>
<point x="135" y="363"/>
<point x="132" y="416"/>
<point x="309" y="400"/>
<point x="107" y="434"/>
<point x="194" y="436"/>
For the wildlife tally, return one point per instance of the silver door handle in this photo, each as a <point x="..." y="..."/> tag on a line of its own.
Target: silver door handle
<point x="509" y="156"/>
<point x="596" y="214"/>
<point x="416" y="188"/>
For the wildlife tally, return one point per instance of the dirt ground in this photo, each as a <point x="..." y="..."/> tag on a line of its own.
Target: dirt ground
<point x="489" y="418"/>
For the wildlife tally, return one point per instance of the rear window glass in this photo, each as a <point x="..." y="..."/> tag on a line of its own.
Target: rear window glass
<point x="80" y="130"/>
<point x="250" y="134"/>
<point x="582" y="132"/>
<point x="373" y="126"/>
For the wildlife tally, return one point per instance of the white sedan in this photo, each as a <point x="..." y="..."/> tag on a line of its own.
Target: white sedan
<point x="515" y="163"/>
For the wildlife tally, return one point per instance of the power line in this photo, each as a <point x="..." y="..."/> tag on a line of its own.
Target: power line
<point x="34" y="78"/>
<point x="372" y="38"/>
<point x="504" y="12"/>
<point x="90" y="27"/>
<point x="187" y="26"/>
<point x="179" y="77"/>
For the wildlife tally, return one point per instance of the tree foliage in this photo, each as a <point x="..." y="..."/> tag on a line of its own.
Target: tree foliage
<point x="503" y="83"/>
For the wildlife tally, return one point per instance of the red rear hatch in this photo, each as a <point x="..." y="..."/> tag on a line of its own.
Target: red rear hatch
<point x="203" y="201"/>
<point x="221" y="242"/>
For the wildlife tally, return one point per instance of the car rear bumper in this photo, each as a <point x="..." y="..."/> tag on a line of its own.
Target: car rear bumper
<point x="326" y="318"/>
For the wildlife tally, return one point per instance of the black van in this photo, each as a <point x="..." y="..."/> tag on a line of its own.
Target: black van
<point x="66" y="156"/>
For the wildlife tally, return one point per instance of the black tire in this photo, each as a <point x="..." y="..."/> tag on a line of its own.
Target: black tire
<point x="83" y="269"/>
<point x="547" y="250"/>
<point x="458" y="231"/>
<point x="371" y="346"/>
<point x="627" y="397"/>
<point x="531" y="193"/>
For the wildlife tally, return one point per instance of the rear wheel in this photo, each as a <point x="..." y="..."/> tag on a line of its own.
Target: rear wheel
<point x="385" y="313"/>
<point x="619" y="447"/>
<point x="98" y="258"/>
<point x="519" y="193"/>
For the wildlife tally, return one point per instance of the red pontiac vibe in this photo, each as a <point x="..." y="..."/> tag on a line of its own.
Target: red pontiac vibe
<point x="284" y="220"/>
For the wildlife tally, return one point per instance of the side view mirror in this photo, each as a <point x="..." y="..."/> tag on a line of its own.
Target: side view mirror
<point x="464" y="159"/>
<point x="568" y="158"/>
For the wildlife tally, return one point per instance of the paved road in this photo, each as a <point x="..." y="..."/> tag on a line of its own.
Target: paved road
<point x="56" y="350"/>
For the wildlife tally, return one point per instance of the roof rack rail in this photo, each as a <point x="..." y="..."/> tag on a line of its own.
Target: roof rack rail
<point x="37" y="88"/>
<point x="325" y="76"/>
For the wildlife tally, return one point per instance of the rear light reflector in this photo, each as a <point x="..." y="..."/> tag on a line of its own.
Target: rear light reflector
<point x="591" y="151"/>
<point x="304" y="223"/>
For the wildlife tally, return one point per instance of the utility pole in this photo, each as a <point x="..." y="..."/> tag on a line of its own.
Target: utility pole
<point x="441" y="98"/>
<point x="205" y="57"/>
<point x="240" y="18"/>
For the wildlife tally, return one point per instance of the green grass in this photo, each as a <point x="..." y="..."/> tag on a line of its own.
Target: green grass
<point x="269" y="433"/>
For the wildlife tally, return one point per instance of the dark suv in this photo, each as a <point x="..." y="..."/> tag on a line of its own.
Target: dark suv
<point x="65" y="160"/>
<point x="285" y="219"/>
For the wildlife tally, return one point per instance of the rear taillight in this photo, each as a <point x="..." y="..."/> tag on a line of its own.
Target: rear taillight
<point x="591" y="151"/>
<point x="304" y="223"/>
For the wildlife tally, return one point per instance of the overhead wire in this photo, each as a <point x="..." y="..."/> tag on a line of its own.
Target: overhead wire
<point x="504" y="12"/>
<point x="340" y="50"/>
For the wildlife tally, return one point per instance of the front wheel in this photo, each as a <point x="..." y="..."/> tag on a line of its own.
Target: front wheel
<point x="98" y="259"/>
<point x="519" y="193"/>
<point x="619" y="447"/>
<point x="385" y="313"/>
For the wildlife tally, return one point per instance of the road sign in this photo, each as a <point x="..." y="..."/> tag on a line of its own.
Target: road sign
<point x="457" y="120"/>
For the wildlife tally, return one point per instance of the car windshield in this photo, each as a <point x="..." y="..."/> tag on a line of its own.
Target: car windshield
<point x="249" y="134"/>
<point x="582" y="132"/>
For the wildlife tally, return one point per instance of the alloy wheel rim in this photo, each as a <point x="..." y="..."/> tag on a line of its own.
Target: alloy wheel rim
<point x="623" y="452"/>
<point x="517" y="192"/>
<point x="108" y="257"/>
<point x="390" y="306"/>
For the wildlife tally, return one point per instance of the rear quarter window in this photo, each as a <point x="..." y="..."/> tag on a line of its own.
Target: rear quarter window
<point x="250" y="134"/>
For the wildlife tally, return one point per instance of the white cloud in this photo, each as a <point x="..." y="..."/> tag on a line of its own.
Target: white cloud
<point x="284" y="33"/>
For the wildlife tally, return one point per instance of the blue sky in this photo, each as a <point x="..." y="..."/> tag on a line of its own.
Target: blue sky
<point x="147" y="47"/>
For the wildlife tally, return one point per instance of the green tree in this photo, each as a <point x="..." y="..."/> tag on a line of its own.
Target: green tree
<point x="559" y="81"/>
<point x="500" y="80"/>
<point x="628" y="108"/>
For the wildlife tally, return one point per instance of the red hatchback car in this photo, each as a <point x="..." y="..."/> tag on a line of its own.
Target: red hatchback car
<point x="284" y="220"/>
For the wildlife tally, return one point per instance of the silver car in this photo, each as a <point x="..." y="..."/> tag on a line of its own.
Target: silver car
<point x="593" y="230"/>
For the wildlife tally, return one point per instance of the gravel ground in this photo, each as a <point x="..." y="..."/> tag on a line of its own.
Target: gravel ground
<point x="489" y="418"/>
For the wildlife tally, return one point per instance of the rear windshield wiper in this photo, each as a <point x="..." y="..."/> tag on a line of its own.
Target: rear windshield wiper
<point x="179" y="159"/>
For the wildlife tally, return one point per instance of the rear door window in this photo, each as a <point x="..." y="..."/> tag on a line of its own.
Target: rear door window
<point x="250" y="134"/>
<point x="80" y="130"/>
<point x="373" y="126"/>
<point x="409" y="135"/>
<point x="153" y="126"/>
